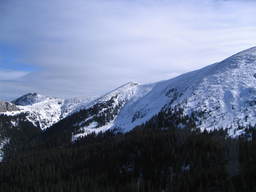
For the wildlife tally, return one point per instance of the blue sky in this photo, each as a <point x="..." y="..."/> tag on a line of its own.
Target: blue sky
<point x="9" y="59"/>
<point x="84" y="48"/>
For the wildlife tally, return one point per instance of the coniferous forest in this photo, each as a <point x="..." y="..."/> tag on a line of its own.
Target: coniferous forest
<point x="158" y="156"/>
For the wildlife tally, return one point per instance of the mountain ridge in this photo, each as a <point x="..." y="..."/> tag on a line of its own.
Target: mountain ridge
<point x="200" y="91"/>
<point x="222" y="93"/>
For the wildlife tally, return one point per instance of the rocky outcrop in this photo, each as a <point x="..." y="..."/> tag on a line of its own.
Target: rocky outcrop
<point x="6" y="106"/>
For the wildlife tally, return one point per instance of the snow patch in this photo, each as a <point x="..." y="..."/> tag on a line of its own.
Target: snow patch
<point x="3" y="142"/>
<point x="92" y="129"/>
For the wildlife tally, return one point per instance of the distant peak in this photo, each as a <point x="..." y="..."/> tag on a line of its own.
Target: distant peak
<point x="31" y="94"/>
<point x="124" y="90"/>
<point x="29" y="99"/>
<point x="126" y="86"/>
<point x="129" y="84"/>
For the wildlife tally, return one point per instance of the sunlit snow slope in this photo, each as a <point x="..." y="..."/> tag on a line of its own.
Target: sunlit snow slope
<point x="44" y="111"/>
<point x="223" y="93"/>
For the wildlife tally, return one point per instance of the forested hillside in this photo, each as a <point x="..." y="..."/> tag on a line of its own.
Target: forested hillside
<point x="166" y="154"/>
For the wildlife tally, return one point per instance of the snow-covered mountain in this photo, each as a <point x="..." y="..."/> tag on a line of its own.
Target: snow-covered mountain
<point x="43" y="111"/>
<point x="29" y="99"/>
<point x="222" y="95"/>
<point x="101" y="113"/>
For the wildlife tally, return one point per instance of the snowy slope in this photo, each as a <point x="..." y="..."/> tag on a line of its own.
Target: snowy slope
<point x="44" y="111"/>
<point x="72" y="105"/>
<point x="29" y="99"/>
<point x="222" y="95"/>
<point x="225" y="93"/>
<point x="101" y="113"/>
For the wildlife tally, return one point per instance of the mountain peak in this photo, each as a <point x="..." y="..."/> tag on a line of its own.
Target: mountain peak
<point x="132" y="83"/>
<point x="243" y="59"/>
<point x="125" y="90"/>
<point x="129" y="84"/>
<point x="29" y="99"/>
<point x="224" y="92"/>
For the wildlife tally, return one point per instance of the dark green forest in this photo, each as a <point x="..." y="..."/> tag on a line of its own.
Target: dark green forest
<point x="159" y="156"/>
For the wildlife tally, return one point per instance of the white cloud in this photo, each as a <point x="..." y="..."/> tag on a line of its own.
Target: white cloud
<point x="89" y="47"/>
